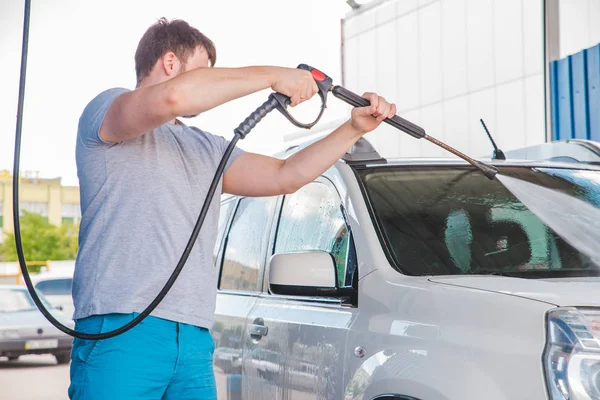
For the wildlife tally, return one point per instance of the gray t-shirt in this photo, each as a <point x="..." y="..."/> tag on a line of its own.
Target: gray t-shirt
<point x="139" y="202"/>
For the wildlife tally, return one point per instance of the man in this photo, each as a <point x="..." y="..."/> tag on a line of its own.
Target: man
<point x="143" y="175"/>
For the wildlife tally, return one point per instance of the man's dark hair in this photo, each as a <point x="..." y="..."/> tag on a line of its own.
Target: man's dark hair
<point x="164" y="36"/>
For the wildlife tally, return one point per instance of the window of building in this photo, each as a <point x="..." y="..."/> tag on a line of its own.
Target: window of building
<point x="312" y="219"/>
<point x="70" y="212"/>
<point x="246" y="244"/>
<point x="34" y="207"/>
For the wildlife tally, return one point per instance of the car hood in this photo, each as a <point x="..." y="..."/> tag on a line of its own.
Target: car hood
<point x="33" y="318"/>
<point x="579" y="292"/>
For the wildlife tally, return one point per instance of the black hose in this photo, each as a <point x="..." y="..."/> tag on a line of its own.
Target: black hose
<point x="240" y="133"/>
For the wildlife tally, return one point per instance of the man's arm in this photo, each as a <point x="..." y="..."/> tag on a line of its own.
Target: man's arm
<point x="134" y="113"/>
<point x="258" y="175"/>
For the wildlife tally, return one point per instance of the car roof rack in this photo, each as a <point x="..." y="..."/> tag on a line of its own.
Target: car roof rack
<point x="570" y="150"/>
<point x="363" y="152"/>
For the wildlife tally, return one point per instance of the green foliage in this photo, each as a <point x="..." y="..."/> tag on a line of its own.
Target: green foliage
<point x="42" y="240"/>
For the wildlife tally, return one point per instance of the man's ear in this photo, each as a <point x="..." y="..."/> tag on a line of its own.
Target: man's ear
<point x="170" y="64"/>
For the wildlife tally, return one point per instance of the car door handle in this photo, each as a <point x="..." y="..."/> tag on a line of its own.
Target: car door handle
<point x="257" y="330"/>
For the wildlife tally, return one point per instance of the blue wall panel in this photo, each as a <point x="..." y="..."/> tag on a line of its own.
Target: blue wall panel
<point x="593" y="71"/>
<point x="575" y="91"/>
<point x="554" y="100"/>
<point x="579" y="95"/>
<point x="564" y="103"/>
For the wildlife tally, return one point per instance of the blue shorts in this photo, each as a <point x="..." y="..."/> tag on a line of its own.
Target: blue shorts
<point x="157" y="359"/>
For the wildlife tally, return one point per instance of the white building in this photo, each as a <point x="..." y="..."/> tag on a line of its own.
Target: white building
<point x="448" y="63"/>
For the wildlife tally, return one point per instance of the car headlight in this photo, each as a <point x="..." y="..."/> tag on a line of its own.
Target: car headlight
<point x="572" y="355"/>
<point x="9" y="334"/>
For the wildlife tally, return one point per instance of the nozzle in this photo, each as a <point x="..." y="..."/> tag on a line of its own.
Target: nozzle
<point x="488" y="170"/>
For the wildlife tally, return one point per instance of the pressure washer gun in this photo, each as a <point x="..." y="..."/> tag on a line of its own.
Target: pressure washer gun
<point x="325" y="84"/>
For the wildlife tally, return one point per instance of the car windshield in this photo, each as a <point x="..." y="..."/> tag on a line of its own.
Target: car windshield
<point x="15" y="300"/>
<point x="455" y="221"/>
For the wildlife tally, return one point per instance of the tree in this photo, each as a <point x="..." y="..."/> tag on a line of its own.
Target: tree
<point x="41" y="240"/>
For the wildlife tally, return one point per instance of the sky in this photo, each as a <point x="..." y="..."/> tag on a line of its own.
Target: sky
<point x="77" y="49"/>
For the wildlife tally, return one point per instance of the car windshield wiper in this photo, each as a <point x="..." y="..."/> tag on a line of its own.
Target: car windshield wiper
<point x="541" y="273"/>
<point x="511" y="274"/>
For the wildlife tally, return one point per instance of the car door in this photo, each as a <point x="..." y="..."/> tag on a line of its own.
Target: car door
<point x="241" y="262"/>
<point x="299" y="352"/>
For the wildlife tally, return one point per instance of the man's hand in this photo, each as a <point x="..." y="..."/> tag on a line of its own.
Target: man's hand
<point x="365" y="119"/>
<point x="297" y="84"/>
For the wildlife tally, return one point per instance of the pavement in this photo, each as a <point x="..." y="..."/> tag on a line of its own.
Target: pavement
<point x="38" y="377"/>
<point x="35" y="377"/>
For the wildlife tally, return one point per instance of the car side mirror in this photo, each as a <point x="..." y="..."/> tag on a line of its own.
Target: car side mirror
<point x="309" y="273"/>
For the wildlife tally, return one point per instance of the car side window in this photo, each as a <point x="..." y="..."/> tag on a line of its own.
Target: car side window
<point x="312" y="219"/>
<point x="246" y="244"/>
<point x="224" y="212"/>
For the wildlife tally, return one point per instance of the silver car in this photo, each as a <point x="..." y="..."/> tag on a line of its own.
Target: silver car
<point x="24" y="330"/>
<point x="57" y="290"/>
<point x="408" y="279"/>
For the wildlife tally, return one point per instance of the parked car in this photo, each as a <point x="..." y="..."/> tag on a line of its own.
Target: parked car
<point x="24" y="330"/>
<point x="57" y="290"/>
<point x="409" y="279"/>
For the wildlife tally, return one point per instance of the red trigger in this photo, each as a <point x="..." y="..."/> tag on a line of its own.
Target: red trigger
<point x="318" y="75"/>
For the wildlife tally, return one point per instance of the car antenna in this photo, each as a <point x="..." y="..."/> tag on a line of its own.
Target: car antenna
<point x="498" y="154"/>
